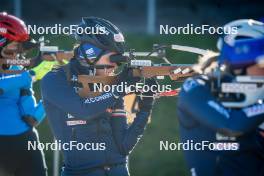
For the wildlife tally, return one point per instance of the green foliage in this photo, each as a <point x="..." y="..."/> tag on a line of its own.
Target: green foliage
<point x="147" y="159"/>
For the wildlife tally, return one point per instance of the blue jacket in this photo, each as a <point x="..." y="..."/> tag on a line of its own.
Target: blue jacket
<point x="86" y="120"/>
<point x="196" y="101"/>
<point x="203" y="118"/>
<point x="13" y="106"/>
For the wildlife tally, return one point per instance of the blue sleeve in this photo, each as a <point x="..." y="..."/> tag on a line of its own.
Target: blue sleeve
<point x="126" y="137"/>
<point x="57" y="91"/>
<point x="196" y="101"/>
<point x="29" y="108"/>
<point x="15" y="81"/>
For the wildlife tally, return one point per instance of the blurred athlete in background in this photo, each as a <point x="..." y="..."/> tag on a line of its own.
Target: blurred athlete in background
<point x="19" y="112"/>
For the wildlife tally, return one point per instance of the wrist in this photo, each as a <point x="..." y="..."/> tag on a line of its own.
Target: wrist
<point x="145" y="109"/>
<point x="118" y="113"/>
<point x="31" y="121"/>
<point x="25" y="92"/>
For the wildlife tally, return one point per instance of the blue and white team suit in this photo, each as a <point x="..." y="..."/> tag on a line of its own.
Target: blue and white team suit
<point x="16" y="103"/>
<point x="239" y="145"/>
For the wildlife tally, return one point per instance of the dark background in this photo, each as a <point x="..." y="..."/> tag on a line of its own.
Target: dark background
<point x="131" y="17"/>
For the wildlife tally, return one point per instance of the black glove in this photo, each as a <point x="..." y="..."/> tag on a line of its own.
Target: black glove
<point x="146" y="101"/>
<point x="126" y="76"/>
<point x="31" y="121"/>
<point x="25" y="92"/>
<point x="119" y="104"/>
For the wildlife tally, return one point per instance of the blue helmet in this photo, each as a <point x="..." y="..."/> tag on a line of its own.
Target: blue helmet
<point x="244" y="47"/>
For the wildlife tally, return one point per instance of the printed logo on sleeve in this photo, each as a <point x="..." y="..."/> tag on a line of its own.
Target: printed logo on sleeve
<point x="254" y="110"/>
<point x="190" y="84"/>
<point x="72" y="122"/>
<point x="218" y="108"/>
<point x="69" y="116"/>
<point x="75" y="122"/>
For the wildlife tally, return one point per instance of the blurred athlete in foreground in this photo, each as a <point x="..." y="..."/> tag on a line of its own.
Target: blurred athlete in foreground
<point x="223" y="119"/>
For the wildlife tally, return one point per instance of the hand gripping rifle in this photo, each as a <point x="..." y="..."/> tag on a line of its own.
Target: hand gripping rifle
<point x="177" y="72"/>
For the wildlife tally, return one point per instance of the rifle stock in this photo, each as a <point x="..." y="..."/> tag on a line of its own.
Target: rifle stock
<point x="87" y="80"/>
<point x="175" y="71"/>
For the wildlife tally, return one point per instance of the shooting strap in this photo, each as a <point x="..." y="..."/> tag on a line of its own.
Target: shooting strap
<point x="85" y="91"/>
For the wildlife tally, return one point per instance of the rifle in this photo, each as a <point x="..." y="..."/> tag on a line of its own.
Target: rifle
<point x="146" y="69"/>
<point x="141" y="68"/>
<point x="180" y="71"/>
<point x="241" y="92"/>
<point x="48" y="53"/>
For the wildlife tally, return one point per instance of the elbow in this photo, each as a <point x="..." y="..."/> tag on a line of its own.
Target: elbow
<point x="124" y="152"/>
<point x="125" y="149"/>
<point x="127" y="146"/>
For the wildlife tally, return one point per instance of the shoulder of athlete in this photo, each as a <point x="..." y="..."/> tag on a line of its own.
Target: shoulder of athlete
<point x="200" y="81"/>
<point x="24" y="75"/>
<point x="52" y="78"/>
<point x="56" y="73"/>
<point x="194" y="90"/>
